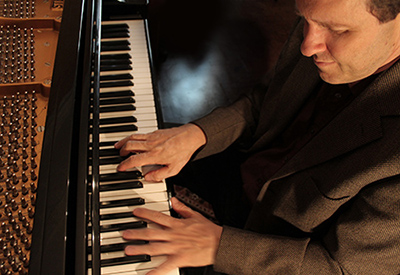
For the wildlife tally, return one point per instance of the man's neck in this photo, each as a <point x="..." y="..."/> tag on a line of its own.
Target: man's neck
<point x="381" y="69"/>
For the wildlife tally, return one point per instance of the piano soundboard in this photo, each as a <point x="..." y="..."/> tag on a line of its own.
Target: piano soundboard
<point x="28" y="41"/>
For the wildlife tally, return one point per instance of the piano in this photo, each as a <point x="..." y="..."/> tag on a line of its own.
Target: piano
<point x="80" y="82"/>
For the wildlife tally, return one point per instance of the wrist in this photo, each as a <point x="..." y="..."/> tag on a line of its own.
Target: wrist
<point x="196" y="135"/>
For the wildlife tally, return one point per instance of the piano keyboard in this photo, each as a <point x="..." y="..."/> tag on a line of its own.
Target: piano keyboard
<point x="127" y="106"/>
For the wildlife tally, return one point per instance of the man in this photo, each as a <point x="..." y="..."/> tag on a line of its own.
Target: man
<point x="323" y="173"/>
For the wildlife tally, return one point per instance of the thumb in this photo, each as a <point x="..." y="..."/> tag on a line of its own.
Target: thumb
<point x="182" y="209"/>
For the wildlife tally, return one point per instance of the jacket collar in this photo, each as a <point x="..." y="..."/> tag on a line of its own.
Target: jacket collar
<point x="357" y="125"/>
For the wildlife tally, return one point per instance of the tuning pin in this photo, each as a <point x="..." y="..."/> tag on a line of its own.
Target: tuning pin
<point x="15" y="179"/>
<point x="3" y="227"/>
<point x="9" y="186"/>
<point x="25" y="134"/>
<point x="14" y="192"/>
<point x="24" y="178"/>
<point x="15" y="166"/>
<point x="33" y="163"/>
<point x="24" y="190"/>
<point x="33" y="188"/>
<point x="33" y="142"/>
<point x="9" y="172"/>
<point x="18" y="231"/>
<point x="33" y="152"/>
<point x="33" y="175"/>
<point x="33" y="200"/>
<point x="24" y="166"/>
<point x="33" y="131"/>
<point x="21" y="217"/>
<point x="24" y="203"/>
<point x="2" y="151"/>
<point x="31" y="213"/>
<point x="24" y="153"/>
<point x="7" y="197"/>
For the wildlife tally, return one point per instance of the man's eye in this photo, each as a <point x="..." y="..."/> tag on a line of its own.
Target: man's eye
<point x="338" y="32"/>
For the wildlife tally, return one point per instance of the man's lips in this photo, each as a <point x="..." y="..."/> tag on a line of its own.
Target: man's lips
<point x="321" y="63"/>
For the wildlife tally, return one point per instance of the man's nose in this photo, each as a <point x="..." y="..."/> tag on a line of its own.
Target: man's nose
<point x="314" y="41"/>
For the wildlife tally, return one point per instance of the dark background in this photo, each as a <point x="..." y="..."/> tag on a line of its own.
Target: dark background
<point x="206" y="53"/>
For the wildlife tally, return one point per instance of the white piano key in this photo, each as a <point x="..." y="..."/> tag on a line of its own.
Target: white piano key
<point x="118" y="136"/>
<point x="155" y="261"/>
<point x="148" y="197"/>
<point x="143" y="272"/>
<point x="157" y="206"/>
<point x="117" y="234"/>
<point x="148" y="187"/>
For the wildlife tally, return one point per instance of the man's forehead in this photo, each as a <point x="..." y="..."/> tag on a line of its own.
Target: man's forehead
<point x="338" y="13"/>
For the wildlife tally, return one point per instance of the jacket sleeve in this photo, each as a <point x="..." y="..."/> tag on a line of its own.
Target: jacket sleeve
<point x="225" y="125"/>
<point x="363" y="239"/>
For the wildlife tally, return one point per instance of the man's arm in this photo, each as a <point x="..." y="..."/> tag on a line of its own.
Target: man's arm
<point x="363" y="239"/>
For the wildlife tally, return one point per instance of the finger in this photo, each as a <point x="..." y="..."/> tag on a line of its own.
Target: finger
<point x="120" y="143"/>
<point x="154" y="216"/>
<point x="182" y="209"/>
<point x="146" y="234"/>
<point x="133" y="146"/>
<point x="136" y="160"/>
<point x="164" y="268"/>
<point x="152" y="249"/>
<point x="159" y="174"/>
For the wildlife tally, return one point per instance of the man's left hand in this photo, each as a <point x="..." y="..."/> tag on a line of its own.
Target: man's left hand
<point x="190" y="241"/>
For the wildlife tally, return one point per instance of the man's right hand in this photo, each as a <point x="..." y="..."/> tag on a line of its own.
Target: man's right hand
<point x="171" y="148"/>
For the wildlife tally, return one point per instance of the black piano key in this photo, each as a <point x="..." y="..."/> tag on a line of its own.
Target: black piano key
<point x="116" y="67"/>
<point x="120" y="246"/>
<point x="121" y="186"/>
<point x="115" y="216"/>
<point x="131" y="175"/>
<point x="114" y="101"/>
<point x="119" y="108"/>
<point x="115" y="77"/>
<point x="118" y="129"/>
<point x="119" y="45"/>
<point x="125" y="260"/>
<point x="119" y="203"/>
<point x="109" y="152"/>
<point x="123" y="226"/>
<point x="114" y="27"/>
<point x="115" y="61"/>
<point x="111" y="160"/>
<point x="116" y="34"/>
<point x="118" y="56"/>
<point x="117" y="120"/>
<point x="116" y="94"/>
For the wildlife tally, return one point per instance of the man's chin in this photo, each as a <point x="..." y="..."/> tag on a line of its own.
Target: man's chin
<point x="334" y="79"/>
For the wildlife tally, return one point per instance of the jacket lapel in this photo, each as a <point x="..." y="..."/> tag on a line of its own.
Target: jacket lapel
<point x="357" y="125"/>
<point x="284" y="104"/>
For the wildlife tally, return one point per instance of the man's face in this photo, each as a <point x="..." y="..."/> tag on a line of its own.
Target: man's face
<point x="345" y="40"/>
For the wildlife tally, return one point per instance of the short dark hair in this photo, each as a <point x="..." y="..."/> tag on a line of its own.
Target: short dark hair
<point x="384" y="10"/>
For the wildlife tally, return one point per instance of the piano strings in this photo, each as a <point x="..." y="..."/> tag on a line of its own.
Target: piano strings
<point x="27" y="51"/>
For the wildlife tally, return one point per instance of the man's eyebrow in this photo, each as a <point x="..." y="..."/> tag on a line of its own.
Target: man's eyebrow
<point x="323" y="24"/>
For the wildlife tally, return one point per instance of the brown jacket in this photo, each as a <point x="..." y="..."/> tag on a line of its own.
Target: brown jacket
<point x="335" y="207"/>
